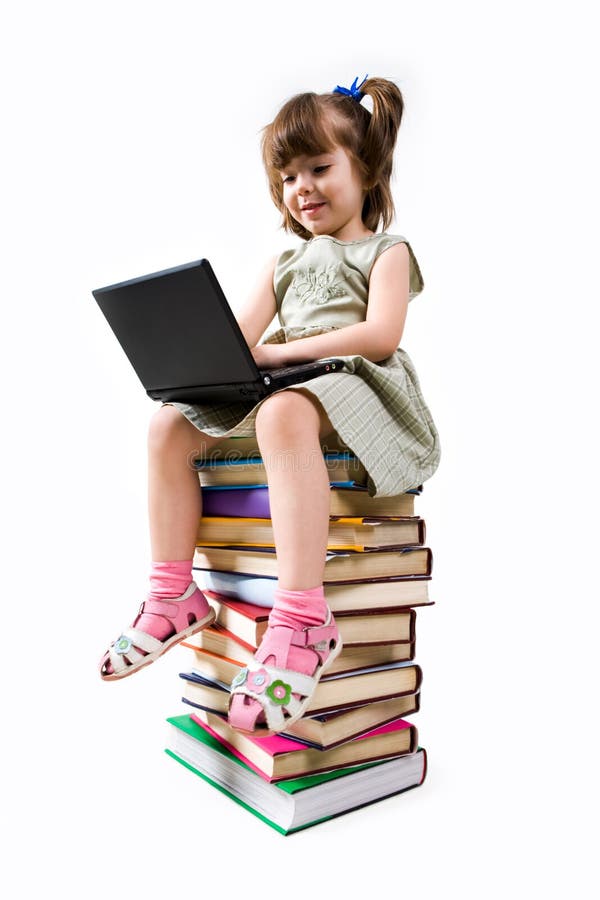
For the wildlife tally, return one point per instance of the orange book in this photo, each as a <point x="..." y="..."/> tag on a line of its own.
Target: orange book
<point x="359" y="533"/>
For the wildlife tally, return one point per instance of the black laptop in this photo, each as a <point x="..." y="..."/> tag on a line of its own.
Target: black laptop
<point x="184" y="342"/>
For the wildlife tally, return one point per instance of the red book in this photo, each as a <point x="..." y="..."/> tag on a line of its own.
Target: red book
<point x="248" y="622"/>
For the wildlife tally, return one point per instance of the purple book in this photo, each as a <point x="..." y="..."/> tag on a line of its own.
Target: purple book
<point x="251" y="502"/>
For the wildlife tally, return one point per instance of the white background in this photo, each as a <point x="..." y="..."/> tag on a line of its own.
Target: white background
<point x="131" y="144"/>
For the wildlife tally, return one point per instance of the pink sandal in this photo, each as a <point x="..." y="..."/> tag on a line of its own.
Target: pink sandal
<point x="186" y="614"/>
<point x="279" y="693"/>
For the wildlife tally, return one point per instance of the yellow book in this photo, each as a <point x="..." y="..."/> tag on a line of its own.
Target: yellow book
<point x="364" y="533"/>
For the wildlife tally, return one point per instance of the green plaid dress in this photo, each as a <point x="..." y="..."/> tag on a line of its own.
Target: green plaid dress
<point x="377" y="409"/>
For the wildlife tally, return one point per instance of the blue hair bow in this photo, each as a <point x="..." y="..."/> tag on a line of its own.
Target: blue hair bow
<point x="353" y="91"/>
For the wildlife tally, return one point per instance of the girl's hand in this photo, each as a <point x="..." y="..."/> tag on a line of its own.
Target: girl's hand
<point x="270" y="356"/>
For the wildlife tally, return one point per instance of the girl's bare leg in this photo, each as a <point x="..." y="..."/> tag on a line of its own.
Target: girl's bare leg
<point x="174" y="495"/>
<point x="175" y="507"/>
<point x="289" y="428"/>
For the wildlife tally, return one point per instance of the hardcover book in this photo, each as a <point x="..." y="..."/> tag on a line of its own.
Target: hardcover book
<point x="235" y="500"/>
<point x="370" y="626"/>
<point x="341" y="596"/>
<point x="277" y="758"/>
<point x="293" y="804"/>
<point x="220" y="642"/>
<point x="366" y="533"/>
<point x="341" y="467"/>
<point x="339" y="565"/>
<point x="332" y="692"/>
<point x="323" y="731"/>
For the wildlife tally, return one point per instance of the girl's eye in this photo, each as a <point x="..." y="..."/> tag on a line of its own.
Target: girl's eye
<point x="288" y="179"/>
<point x="320" y="169"/>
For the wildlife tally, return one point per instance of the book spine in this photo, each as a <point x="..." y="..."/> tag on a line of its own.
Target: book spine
<point x="251" y="503"/>
<point x="251" y="589"/>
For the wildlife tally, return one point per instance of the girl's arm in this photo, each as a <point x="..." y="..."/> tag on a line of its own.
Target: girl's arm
<point x="376" y="338"/>
<point x="260" y="307"/>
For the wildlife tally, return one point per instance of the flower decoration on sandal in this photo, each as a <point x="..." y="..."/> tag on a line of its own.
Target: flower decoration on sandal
<point x="240" y="678"/>
<point x="273" y="694"/>
<point x="258" y="681"/>
<point x="123" y="645"/>
<point x="280" y="692"/>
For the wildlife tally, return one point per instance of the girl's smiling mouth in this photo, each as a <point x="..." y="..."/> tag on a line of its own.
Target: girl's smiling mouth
<point x="312" y="207"/>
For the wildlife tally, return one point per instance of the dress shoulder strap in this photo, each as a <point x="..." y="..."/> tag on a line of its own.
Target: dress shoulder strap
<point x="382" y="242"/>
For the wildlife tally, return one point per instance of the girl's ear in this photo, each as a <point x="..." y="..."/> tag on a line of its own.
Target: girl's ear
<point x="366" y="180"/>
<point x="369" y="183"/>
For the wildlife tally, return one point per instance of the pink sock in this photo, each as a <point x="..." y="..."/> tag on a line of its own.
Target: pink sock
<point x="297" y="609"/>
<point x="168" y="580"/>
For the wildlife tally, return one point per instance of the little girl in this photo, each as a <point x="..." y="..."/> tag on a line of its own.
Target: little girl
<point x="343" y="292"/>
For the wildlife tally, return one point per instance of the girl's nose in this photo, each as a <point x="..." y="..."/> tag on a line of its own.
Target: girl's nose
<point x="304" y="183"/>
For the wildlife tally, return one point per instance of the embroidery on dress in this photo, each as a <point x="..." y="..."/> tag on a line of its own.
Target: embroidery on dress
<point x="317" y="287"/>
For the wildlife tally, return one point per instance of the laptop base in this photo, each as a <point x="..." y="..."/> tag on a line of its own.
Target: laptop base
<point x="271" y="380"/>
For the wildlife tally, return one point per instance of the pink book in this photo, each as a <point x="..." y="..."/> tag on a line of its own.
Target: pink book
<point x="276" y="758"/>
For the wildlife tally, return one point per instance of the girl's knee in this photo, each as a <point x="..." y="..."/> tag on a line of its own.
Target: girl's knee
<point x="164" y="422"/>
<point x="169" y="427"/>
<point x="288" y="412"/>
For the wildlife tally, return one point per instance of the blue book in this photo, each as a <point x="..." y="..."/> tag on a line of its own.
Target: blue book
<point x="341" y="467"/>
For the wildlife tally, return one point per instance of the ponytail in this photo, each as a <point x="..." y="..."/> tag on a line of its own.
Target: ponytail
<point x="377" y="150"/>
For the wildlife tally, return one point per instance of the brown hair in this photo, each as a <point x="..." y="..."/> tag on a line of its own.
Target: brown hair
<point x="311" y="124"/>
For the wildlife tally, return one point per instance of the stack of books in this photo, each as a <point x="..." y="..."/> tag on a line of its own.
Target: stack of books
<point x="353" y="745"/>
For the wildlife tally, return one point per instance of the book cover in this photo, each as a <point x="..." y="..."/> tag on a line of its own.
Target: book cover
<point x="291" y="805"/>
<point x="253" y="501"/>
<point x="279" y="757"/>
<point x="219" y="641"/>
<point x="339" y="565"/>
<point x="341" y="691"/>
<point x="344" y="533"/>
<point x="341" y="467"/>
<point x="322" y="731"/>
<point x="381" y="593"/>
<point x="248" y="622"/>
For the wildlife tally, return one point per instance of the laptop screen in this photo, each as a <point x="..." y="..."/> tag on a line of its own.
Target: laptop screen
<point x="177" y="328"/>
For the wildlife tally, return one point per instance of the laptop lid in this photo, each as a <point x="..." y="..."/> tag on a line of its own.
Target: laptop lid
<point x="177" y="329"/>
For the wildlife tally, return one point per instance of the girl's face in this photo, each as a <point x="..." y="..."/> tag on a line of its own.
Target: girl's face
<point x="325" y="194"/>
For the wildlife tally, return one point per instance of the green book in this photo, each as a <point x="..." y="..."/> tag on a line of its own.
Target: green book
<point x="296" y="803"/>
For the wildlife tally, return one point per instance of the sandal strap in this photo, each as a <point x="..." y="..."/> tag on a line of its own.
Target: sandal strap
<point x="176" y="611"/>
<point x="274" y="714"/>
<point x="276" y="693"/>
<point x="318" y="634"/>
<point x="298" y="681"/>
<point x="143" y="640"/>
<point x="120" y="661"/>
<point x="281" y="693"/>
<point x="273" y="710"/>
<point x="276" y="720"/>
<point x="123" y="653"/>
<point x="278" y="639"/>
<point x="136" y="638"/>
